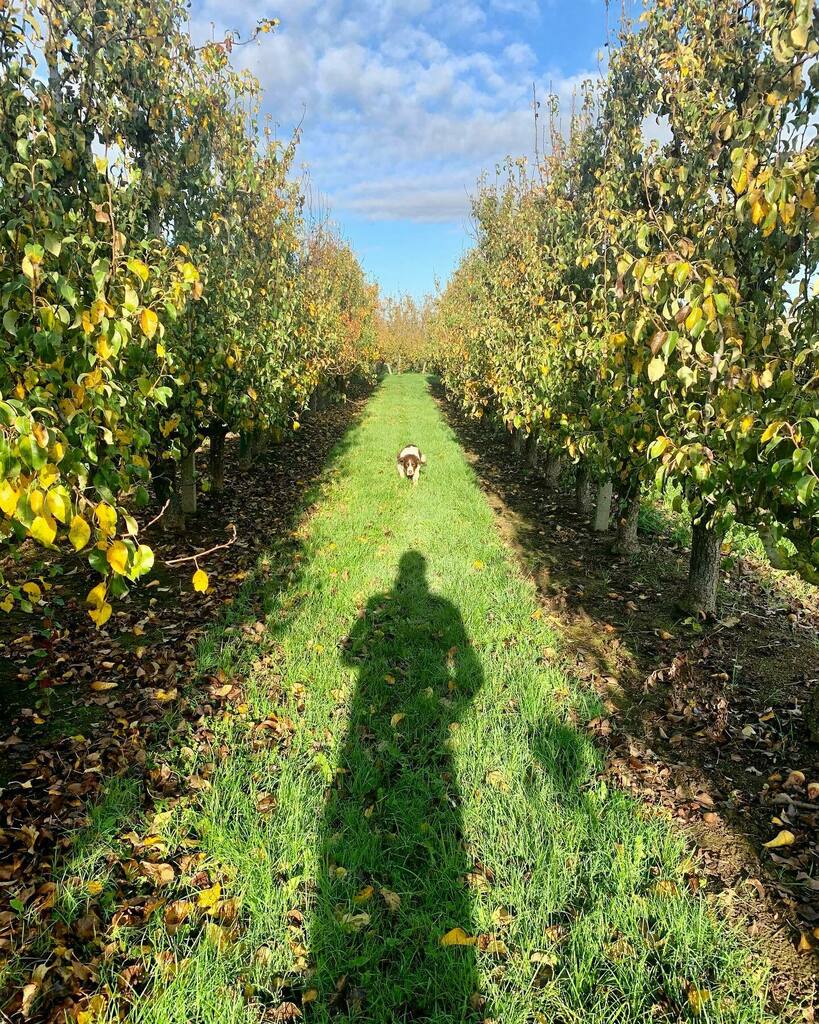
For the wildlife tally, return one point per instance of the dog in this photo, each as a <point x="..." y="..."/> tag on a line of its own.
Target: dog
<point x="410" y="460"/>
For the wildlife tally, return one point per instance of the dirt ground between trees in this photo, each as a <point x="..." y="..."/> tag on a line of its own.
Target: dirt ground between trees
<point x="704" y="721"/>
<point x="80" y="705"/>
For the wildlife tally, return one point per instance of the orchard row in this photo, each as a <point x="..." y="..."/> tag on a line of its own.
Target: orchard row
<point x="159" y="282"/>
<point x="647" y="306"/>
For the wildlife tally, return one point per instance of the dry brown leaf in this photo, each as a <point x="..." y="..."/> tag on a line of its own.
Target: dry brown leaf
<point x="176" y="913"/>
<point x="159" y="874"/>
<point x="392" y="899"/>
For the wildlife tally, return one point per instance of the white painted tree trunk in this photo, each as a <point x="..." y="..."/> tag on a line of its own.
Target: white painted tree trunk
<point x="188" y="483"/>
<point x="602" y="515"/>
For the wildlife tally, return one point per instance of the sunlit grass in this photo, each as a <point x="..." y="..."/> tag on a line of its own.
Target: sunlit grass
<point x="437" y="776"/>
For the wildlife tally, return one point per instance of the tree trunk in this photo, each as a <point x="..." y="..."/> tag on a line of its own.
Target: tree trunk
<point x="553" y="467"/>
<point x="628" y="514"/>
<point x="258" y="440"/>
<point x="187" y="489"/>
<point x="216" y="464"/>
<point x="700" y="594"/>
<point x="602" y="515"/>
<point x="164" y="478"/>
<point x="583" y="491"/>
<point x="531" y="452"/>
<point x="517" y="441"/>
<point x="245" y="458"/>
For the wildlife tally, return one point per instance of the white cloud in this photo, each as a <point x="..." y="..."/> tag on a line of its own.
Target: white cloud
<point x="404" y="101"/>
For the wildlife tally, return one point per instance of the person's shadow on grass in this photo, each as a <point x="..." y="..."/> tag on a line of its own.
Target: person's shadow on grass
<point x="392" y="874"/>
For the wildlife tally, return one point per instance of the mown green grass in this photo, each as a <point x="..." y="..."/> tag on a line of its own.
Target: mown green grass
<point x="479" y="809"/>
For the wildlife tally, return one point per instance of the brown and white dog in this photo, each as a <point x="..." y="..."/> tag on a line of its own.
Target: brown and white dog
<point x="410" y="460"/>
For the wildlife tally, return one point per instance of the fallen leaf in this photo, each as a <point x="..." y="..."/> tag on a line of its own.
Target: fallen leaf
<point x="176" y="913"/>
<point x="697" y="998"/>
<point x="392" y="899"/>
<point x="502" y="916"/>
<point x="498" y="780"/>
<point x="783" y="838"/>
<point x="458" y="937"/>
<point x="159" y="874"/>
<point x="208" y="898"/>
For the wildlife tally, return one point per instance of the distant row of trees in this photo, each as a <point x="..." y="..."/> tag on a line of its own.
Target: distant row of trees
<point x="648" y="310"/>
<point x="159" y="285"/>
<point x="403" y="334"/>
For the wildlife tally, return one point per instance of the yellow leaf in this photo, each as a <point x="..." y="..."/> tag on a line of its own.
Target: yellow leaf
<point x="33" y="591"/>
<point x="200" y="581"/>
<point x="44" y="530"/>
<point x="101" y="614"/>
<point x="397" y="719"/>
<point x="117" y="556"/>
<point x="498" y="780"/>
<point x="96" y="597"/>
<point x="296" y="424"/>
<point x="366" y="893"/>
<point x="94" y="888"/>
<point x="149" y="322"/>
<point x="79" y="533"/>
<point x="665" y="887"/>
<point x="697" y="997"/>
<point x="102" y="685"/>
<point x="783" y="838"/>
<point x="769" y="432"/>
<point x="57" y="505"/>
<point x="502" y="916"/>
<point x="656" y="369"/>
<point x="478" y="564"/>
<point x="8" y="498"/>
<point x="458" y="937"/>
<point x="7" y="603"/>
<point x="139" y="268"/>
<point x="106" y="518"/>
<point x="208" y="898"/>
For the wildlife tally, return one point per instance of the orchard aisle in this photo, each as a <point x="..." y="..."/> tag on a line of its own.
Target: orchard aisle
<point x="404" y="821"/>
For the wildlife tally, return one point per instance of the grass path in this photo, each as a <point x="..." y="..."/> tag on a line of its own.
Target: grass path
<point x="423" y="771"/>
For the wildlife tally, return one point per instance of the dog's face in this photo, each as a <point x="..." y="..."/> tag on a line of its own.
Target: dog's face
<point x="411" y="464"/>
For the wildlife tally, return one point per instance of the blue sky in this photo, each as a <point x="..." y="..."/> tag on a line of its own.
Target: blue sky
<point x="405" y="102"/>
